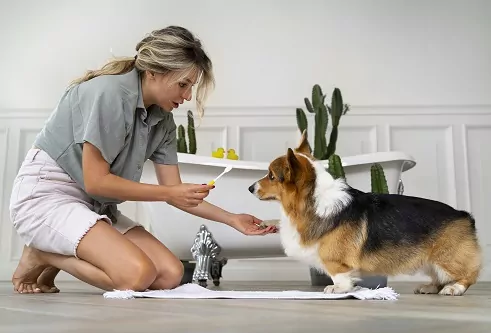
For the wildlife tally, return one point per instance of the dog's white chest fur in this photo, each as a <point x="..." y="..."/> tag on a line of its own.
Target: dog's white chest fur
<point x="290" y="240"/>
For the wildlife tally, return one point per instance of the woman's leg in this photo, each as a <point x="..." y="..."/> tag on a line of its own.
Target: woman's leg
<point x="108" y="260"/>
<point x="46" y="281"/>
<point x="169" y="268"/>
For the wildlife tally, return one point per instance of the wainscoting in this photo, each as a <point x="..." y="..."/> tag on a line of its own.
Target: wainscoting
<point x="444" y="140"/>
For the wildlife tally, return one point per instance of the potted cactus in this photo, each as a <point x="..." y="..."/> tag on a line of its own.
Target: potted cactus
<point x="182" y="146"/>
<point x="324" y="151"/>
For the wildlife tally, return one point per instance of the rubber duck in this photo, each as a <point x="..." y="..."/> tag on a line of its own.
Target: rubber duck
<point x="219" y="153"/>
<point x="231" y="155"/>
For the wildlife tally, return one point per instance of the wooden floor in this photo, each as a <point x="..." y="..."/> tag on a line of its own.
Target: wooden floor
<point x="79" y="308"/>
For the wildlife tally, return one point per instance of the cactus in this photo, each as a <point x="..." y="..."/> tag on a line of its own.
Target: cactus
<point x="191" y="133"/>
<point x="379" y="183"/>
<point x="323" y="151"/>
<point x="181" y="140"/>
<point x="336" y="110"/>
<point x="301" y="120"/>
<point x="336" y="167"/>
<point x="181" y="136"/>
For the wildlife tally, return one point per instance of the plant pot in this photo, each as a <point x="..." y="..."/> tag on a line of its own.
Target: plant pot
<point x="320" y="279"/>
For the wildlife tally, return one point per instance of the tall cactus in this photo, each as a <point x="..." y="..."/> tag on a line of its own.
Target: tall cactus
<point x="181" y="140"/>
<point x="336" y="110"/>
<point x="322" y="151"/>
<point x="191" y="133"/>
<point x="379" y="183"/>
<point x="336" y="167"/>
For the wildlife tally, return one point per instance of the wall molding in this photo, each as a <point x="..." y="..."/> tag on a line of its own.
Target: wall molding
<point x="267" y="111"/>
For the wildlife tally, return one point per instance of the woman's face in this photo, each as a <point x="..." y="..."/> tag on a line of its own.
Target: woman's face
<point x="165" y="91"/>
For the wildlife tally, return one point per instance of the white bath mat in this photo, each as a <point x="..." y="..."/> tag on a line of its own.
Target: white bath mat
<point x="194" y="291"/>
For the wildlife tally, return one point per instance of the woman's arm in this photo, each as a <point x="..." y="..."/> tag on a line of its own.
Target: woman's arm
<point x="169" y="175"/>
<point x="98" y="180"/>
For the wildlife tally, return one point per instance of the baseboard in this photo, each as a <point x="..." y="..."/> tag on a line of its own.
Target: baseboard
<point x="250" y="270"/>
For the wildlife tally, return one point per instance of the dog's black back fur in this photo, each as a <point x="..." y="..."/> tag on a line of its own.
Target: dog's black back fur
<point x="397" y="219"/>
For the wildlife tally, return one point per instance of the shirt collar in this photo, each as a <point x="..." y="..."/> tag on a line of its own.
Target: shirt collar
<point x="154" y="114"/>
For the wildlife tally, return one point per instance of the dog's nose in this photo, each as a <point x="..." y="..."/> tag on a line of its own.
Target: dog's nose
<point x="252" y="187"/>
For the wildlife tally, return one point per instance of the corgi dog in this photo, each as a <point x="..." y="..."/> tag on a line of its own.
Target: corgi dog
<point x="346" y="232"/>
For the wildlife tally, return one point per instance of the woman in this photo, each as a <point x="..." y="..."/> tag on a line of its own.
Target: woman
<point x="88" y="158"/>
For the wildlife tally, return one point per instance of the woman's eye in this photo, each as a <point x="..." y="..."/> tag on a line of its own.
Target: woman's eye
<point x="182" y="85"/>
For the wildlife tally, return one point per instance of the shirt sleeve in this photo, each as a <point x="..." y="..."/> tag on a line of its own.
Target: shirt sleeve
<point x="101" y="119"/>
<point x="166" y="152"/>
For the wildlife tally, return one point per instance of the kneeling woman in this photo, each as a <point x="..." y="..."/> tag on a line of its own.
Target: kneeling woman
<point x="89" y="157"/>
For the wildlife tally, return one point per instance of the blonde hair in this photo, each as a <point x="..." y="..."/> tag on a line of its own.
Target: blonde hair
<point x="174" y="50"/>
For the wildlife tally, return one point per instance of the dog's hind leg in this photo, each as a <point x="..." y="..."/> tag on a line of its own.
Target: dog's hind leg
<point x="434" y="287"/>
<point x="457" y="259"/>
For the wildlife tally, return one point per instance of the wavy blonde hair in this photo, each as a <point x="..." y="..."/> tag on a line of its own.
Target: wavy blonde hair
<point x="172" y="50"/>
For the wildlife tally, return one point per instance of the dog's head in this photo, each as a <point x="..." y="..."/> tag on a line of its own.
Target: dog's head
<point x="286" y="174"/>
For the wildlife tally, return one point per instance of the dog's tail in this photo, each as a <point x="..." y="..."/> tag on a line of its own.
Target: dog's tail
<point x="470" y="218"/>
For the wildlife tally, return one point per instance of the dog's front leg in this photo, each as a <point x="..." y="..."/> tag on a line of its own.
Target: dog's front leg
<point x="343" y="277"/>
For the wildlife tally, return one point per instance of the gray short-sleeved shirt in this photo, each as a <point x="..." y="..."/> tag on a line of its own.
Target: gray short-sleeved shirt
<point x="108" y="112"/>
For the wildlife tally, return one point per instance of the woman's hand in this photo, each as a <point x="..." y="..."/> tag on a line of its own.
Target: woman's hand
<point x="187" y="195"/>
<point x="250" y="225"/>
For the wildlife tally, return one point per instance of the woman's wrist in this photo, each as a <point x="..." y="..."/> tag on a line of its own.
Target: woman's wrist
<point x="228" y="218"/>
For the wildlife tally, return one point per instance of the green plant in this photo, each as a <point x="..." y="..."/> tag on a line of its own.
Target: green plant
<point x="379" y="183"/>
<point x="322" y="150"/>
<point x="336" y="167"/>
<point x="181" y="140"/>
<point x="191" y="133"/>
<point x="181" y="136"/>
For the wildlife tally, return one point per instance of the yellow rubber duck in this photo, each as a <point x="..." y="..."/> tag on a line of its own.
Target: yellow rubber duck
<point x="219" y="153"/>
<point x="231" y="155"/>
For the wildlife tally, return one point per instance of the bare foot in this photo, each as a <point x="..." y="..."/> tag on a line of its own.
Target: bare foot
<point x="29" y="269"/>
<point x="46" y="281"/>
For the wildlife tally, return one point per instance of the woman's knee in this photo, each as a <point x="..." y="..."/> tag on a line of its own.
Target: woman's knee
<point x="169" y="276"/>
<point x="138" y="274"/>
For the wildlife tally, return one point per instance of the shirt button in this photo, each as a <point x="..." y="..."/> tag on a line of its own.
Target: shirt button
<point x="139" y="166"/>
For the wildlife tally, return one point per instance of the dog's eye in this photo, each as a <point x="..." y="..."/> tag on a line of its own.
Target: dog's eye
<point x="270" y="176"/>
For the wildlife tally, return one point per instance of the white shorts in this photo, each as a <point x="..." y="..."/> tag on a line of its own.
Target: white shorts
<point x="49" y="211"/>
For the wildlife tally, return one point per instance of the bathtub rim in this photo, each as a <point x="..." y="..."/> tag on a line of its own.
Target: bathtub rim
<point x="409" y="162"/>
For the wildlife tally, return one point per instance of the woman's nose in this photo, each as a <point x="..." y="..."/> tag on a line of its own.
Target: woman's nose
<point x="188" y="94"/>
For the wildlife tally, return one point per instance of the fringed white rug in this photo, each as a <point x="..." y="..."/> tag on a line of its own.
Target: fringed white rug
<point x="194" y="291"/>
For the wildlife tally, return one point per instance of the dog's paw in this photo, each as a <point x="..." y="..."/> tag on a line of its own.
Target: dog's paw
<point x="427" y="289"/>
<point x="455" y="289"/>
<point x="338" y="289"/>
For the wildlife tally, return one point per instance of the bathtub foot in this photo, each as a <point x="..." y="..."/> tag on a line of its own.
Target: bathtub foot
<point x="216" y="270"/>
<point x="400" y="187"/>
<point x="205" y="251"/>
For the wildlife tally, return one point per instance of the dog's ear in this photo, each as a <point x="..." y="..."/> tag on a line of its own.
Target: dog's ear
<point x="294" y="165"/>
<point x="304" y="146"/>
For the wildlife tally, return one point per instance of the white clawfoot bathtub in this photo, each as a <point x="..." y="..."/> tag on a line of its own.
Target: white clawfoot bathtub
<point x="177" y="229"/>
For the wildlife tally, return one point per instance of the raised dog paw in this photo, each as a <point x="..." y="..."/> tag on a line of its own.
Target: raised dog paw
<point x="338" y="289"/>
<point x="427" y="289"/>
<point x="455" y="289"/>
